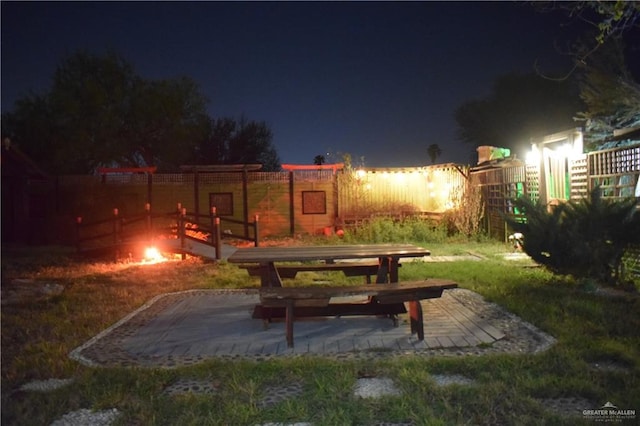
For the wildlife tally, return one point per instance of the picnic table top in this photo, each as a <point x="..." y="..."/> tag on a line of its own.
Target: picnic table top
<point x="326" y="253"/>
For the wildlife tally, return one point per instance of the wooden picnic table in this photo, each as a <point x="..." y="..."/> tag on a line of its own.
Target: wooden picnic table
<point x="292" y="302"/>
<point x="267" y="258"/>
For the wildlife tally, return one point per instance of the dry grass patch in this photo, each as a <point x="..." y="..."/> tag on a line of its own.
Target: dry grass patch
<point x="39" y="332"/>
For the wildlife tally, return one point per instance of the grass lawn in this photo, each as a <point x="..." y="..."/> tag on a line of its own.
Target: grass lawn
<point x="596" y="357"/>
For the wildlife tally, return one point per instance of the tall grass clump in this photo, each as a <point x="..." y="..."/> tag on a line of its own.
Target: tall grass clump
<point x="390" y="230"/>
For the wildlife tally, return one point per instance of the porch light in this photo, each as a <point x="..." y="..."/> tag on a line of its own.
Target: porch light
<point x="566" y="150"/>
<point x="533" y="156"/>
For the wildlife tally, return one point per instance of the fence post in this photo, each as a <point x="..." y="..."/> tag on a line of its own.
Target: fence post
<point x="115" y="233"/>
<point x="215" y="231"/>
<point x="178" y="211"/>
<point x="147" y="208"/>
<point x="183" y="232"/>
<point x="218" y="239"/>
<point x="212" y="217"/>
<point x="78" y="224"/>
<point x="255" y="230"/>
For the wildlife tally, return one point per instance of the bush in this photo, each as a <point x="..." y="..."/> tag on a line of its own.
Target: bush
<point x="585" y="239"/>
<point x="390" y="230"/>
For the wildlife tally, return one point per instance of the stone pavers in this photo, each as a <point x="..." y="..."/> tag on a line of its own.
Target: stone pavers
<point x="188" y="327"/>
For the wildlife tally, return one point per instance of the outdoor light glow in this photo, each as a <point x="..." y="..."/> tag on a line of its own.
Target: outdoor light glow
<point x="360" y="173"/>
<point x="153" y="255"/>
<point x="566" y="150"/>
<point x="533" y="156"/>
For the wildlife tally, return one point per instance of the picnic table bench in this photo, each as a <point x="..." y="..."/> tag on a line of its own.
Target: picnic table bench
<point x="385" y="299"/>
<point x="350" y="269"/>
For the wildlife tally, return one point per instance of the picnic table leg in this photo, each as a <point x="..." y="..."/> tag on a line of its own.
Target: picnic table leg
<point x="266" y="317"/>
<point x="387" y="270"/>
<point x="383" y="270"/>
<point x="393" y="270"/>
<point x="269" y="276"/>
<point x="415" y="313"/>
<point x="289" y="318"/>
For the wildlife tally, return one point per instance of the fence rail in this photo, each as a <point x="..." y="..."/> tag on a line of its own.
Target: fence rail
<point x="118" y="233"/>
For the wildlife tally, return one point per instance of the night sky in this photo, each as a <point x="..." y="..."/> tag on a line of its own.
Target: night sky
<point x="379" y="80"/>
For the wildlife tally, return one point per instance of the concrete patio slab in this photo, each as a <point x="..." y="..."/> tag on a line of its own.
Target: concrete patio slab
<point x="193" y="326"/>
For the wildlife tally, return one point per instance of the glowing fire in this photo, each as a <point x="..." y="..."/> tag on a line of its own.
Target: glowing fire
<point x="153" y="255"/>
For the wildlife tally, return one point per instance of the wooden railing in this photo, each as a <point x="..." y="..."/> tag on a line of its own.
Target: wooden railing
<point x="195" y="227"/>
<point x="118" y="233"/>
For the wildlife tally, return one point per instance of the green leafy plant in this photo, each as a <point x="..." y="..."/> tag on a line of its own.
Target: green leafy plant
<point x="586" y="238"/>
<point x="383" y="229"/>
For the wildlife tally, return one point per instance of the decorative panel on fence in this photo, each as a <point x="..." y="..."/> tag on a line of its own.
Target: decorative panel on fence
<point x="579" y="183"/>
<point x="398" y="192"/>
<point x="616" y="171"/>
<point x="532" y="188"/>
<point x="500" y="186"/>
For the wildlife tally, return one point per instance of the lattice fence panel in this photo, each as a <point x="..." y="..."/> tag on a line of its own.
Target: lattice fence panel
<point x="615" y="171"/>
<point x="579" y="183"/>
<point x="532" y="182"/>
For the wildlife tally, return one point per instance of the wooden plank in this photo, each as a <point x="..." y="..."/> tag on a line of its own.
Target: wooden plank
<point x="290" y="271"/>
<point x="415" y="290"/>
<point x="266" y="311"/>
<point x="280" y="303"/>
<point x="386" y="299"/>
<point x="326" y="253"/>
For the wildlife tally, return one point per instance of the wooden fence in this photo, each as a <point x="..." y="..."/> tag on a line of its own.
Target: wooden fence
<point x="616" y="171"/>
<point x="312" y="201"/>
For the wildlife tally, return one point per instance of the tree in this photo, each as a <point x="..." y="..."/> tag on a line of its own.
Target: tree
<point x="605" y="21"/>
<point x="238" y="142"/>
<point x="318" y="160"/>
<point x="167" y="120"/>
<point x="610" y="93"/>
<point x="434" y="152"/>
<point x="519" y="108"/>
<point x="100" y="112"/>
<point x="610" y="32"/>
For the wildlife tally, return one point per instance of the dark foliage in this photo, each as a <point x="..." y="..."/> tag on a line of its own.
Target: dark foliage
<point x="585" y="239"/>
<point x="240" y="141"/>
<point x="519" y="108"/>
<point x="100" y="112"/>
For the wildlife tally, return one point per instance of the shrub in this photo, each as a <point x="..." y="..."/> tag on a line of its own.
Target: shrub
<point x="585" y="239"/>
<point x="467" y="217"/>
<point x="390" y="230"/>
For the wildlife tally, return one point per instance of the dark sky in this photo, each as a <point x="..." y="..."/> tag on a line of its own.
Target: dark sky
<point x="377" y="80"/>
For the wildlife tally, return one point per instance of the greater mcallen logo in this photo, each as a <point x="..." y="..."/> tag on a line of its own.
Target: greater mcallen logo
<point x="609" y="413"/>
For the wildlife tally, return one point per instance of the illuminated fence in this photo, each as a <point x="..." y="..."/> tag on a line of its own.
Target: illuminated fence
<point x="499" y="186"/>
<point x="314" y="201"/>
<point x="398" y="192"/>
